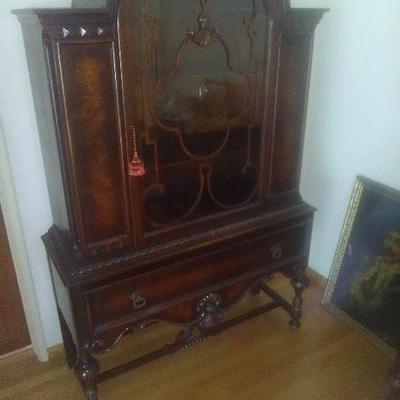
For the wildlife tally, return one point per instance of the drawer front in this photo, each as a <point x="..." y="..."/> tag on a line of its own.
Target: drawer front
<point x="141" y="295"/>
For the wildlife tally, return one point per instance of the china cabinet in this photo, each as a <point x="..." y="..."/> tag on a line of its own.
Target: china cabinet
<point x="172" y="135"/>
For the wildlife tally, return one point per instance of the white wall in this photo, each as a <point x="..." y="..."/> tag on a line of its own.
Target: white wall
<point x="22" y="141"/>
<point x="312" y="3"/>
<point x="353" y="124"/>
<point x="354" y="116"/>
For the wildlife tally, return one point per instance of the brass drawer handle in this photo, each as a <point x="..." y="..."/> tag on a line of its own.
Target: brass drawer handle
<point x="138" y="300"/>
<point x="276" y="251"/>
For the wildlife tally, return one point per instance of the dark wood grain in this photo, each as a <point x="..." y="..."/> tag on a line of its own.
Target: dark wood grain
<point x="92" y="138"/>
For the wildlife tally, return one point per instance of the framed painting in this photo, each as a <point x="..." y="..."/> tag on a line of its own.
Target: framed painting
<point x="364" y="285"/>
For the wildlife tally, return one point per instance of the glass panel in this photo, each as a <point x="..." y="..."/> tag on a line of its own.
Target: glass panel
<point x="203" y="83"/>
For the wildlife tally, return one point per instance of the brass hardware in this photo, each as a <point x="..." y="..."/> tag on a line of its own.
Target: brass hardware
<point x="138" y="300"/>
<point x="276" y="251"/>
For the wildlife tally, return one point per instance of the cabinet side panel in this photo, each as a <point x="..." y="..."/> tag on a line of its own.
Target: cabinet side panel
<point x="94" y="142"/>
<point x="47" y="125"/>
<point x="290" y="113"/>
<point x="63" y="301"/>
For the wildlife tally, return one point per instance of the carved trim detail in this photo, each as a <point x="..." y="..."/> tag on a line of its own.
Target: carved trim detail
<point x="154" y="250"/>
<point x="99" y="346"/>
<point x="63" y="257"/>
<point x="210" y="313"/>
<point x="208" y="321"/>
<point x="65" y="32"/>
<point x="82" y="32"/>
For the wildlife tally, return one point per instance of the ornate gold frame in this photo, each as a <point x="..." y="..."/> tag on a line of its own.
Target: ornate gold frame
<point x="358" y="190"/>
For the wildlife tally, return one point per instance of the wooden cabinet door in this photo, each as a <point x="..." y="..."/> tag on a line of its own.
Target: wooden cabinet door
<point x="86" y="92"/>
<point x="14" y="333"/>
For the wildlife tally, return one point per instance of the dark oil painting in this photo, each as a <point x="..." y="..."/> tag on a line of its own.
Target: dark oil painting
<point x="367" y="286"/>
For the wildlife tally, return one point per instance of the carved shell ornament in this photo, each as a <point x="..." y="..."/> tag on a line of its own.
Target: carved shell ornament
<point x="210" y="312"/>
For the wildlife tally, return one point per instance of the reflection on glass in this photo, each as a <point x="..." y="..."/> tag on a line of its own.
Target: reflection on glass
<point x="201" y="103"/>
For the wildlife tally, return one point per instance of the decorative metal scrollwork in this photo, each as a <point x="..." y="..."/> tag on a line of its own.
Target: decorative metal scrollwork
<point x="205" y="35"/>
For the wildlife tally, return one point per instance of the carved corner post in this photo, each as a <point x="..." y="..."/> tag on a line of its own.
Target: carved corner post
<point x="395" y="381"/>
<point x="300" y="282"/>
<point x="87" y="368"/>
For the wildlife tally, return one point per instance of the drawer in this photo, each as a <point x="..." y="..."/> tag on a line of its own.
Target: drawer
<point x="149" y="293"/>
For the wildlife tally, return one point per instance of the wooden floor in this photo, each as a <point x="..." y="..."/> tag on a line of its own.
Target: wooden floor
<point x="263" y="359"/>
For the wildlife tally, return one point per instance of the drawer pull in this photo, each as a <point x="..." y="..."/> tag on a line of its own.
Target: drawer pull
<point x="138" y="300"/>
<point x="276" y="251"/>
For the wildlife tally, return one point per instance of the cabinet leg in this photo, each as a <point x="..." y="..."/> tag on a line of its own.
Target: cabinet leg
<point x="87" y="368"/>
<point x="300" y="282"/>
<point x="69" y="345"/>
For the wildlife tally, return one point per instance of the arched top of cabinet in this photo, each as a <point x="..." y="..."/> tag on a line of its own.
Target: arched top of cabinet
<point x="279" y="8"/>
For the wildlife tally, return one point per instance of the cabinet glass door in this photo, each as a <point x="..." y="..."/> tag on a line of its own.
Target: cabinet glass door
<point x="202" y="91"/>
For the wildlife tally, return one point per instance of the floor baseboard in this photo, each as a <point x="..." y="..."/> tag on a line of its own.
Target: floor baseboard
<point x="16" y="352"/>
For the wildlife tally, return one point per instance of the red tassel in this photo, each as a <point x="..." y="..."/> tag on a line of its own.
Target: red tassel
<point x="136" y="167"/>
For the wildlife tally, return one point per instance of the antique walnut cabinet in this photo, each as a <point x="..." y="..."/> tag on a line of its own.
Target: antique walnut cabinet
<point x="172" y="136"/>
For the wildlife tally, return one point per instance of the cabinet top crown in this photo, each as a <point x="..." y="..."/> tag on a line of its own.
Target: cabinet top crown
<point x="106" y="12"/>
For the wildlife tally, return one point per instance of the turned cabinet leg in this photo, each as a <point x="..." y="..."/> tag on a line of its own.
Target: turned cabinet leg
<point x="300" y="282"/>
<point x="87" y="368"/>
<point x="69" y="345"/>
